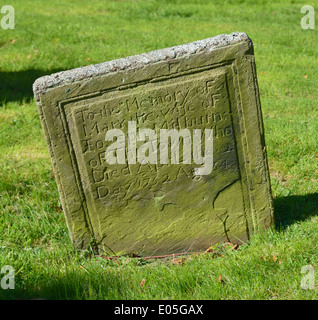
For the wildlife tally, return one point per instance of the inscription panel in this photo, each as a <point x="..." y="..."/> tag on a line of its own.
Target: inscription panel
<point x="153" y="193"/>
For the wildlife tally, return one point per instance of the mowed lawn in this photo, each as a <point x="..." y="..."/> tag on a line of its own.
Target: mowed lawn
<point x="51" y="36"/>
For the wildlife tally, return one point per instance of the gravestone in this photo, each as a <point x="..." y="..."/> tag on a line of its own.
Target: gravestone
<point x="161" y="152"/>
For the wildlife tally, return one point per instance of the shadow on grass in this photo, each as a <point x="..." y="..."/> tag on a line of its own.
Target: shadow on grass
<point x="73" y="286"/>
<point x="17" y="86"/>
<point x="291" y="209"/>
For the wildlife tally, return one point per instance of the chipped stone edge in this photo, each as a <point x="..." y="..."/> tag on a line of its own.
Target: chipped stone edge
<point x="41" y="85"/>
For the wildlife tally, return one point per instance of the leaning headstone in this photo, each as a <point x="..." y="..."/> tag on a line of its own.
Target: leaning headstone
<point x="161" y="152"/>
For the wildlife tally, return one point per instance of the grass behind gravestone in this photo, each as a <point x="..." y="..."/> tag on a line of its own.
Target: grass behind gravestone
<point x="57" y="35"/>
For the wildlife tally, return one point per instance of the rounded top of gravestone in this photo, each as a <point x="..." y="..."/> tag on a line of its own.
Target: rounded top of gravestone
<point x="41" y="85"/>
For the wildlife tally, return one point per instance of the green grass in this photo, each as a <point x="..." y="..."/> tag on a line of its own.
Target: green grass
<point x="57" y="35"/>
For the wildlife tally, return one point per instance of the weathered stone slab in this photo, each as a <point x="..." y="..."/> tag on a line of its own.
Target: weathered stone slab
<point x="161" y="152"/>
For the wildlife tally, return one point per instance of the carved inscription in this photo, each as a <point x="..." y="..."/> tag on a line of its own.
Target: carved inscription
<point x="198" y="103"/>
